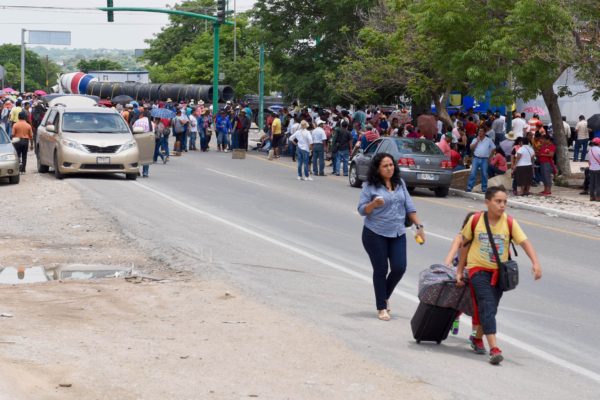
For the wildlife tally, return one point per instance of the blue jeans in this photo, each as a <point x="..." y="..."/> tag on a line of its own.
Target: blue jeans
<point x="203" y="143"/>
<point x="302" y="162"/>
<point x="184" y="136"/>
<point x="480" y="164"/>
<point x="385" y="254"/>
<point x="318" y="159"/>
<point x="580" y="145"/>
<point x="488" y="297"/>
<point x="494" y="171"/>
<point x="343" y="156"/>
<point x="193" y="136"/>
<point x="145" y="169"/>
<point x="158" y="143"/>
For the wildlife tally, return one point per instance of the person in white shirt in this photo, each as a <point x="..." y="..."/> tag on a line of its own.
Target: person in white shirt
<point x="319" y="148"/>
<point x="594" y="161"/>
<point x="193" y="132"/>
<point x="303" y="140"/>
<point x="518" y="125"/>
<point x="524" y="164"/>
<point x="583" y="137"/>
<point x="566" y="128"/>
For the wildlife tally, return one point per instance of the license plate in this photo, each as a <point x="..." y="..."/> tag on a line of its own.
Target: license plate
<point x="102" y="160"/>
<point x="428" y="177"/>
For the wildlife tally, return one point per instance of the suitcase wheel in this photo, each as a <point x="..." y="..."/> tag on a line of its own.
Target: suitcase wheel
<point x="439" y="342"/>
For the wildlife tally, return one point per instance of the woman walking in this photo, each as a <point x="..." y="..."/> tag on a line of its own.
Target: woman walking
<point x="385" y="204"/>
<point x="594" y="161"/>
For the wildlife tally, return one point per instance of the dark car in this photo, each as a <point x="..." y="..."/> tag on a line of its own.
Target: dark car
<point x="421" y="162"/>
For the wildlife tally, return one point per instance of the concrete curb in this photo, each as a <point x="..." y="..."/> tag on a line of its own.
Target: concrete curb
<point x="529" y="207"/>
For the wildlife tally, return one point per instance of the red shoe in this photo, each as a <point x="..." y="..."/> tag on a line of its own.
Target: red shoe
<point x="496" y="356"/>
<point x="477" y="345"/>
<point x="545" y="193"/>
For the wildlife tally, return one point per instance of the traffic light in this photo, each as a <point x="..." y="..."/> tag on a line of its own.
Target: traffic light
<point x="109" y="14"/>
<point x="221" y="10"/>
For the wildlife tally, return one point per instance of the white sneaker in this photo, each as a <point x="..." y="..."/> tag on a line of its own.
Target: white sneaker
<point x="300" y="178"/>
<point x="310" y="178"/>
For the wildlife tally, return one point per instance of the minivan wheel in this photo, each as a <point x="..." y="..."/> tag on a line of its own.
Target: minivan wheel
<point x="353" y="177"/>
<point x="441" y="191"/>
<point x="131" y="177"/>
<point x="57" y="173"/>
<point x="42" y="169"/>
<point x="14" y="179"/>
<point x="410" y="189"/>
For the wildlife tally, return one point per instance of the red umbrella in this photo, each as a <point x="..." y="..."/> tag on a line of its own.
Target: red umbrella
<point x="9" y="90"/>
<point x="40" y="92"/>
<point x="105" y="103"/>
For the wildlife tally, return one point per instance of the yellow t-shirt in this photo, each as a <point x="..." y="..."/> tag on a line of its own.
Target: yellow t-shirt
<point x="481" y="253"/>
<point x="276" y="126"/>
<point x="14" y="114"/>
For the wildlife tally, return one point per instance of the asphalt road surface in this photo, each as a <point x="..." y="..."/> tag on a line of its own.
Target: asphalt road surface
<point x="296" y="246"/>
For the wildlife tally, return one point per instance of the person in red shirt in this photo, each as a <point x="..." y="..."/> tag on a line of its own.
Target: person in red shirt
<point x="497" y="165"/>
<point x="455" y="158"/>
<point x="444" y="144"/>
<point x="545" y="156"/>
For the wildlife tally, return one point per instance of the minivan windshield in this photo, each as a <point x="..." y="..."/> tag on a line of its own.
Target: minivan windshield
<point x="90" y="122"/>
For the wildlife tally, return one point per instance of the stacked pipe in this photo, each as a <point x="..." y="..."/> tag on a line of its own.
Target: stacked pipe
<point x="80" y="83"/>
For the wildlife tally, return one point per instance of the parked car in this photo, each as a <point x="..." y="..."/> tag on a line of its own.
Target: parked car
<point x="421" y="162"/>
<point x="89" y="139"/>
<point x="9" y="161"/>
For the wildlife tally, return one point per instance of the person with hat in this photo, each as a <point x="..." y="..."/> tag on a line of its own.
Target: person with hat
<point x="304" y="142"/>
<point x="445" y="143"/>
<point x="241" y="130"/>
<point x="319" y="148"/>
<point x="594" y="172"/>
<point x="508" y="143"/>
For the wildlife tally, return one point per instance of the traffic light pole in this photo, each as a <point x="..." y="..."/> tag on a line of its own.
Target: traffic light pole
<point x="217" y="22"/>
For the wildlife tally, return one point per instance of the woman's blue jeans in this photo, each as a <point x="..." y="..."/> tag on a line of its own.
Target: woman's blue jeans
<point x="386" y="254"/>
<point x="302" y="156"/>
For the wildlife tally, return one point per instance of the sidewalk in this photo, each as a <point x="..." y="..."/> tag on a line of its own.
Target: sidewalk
<point x="565" y="202"/>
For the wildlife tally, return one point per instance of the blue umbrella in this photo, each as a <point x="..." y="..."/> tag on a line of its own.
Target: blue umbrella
<point x="162" y="113"/>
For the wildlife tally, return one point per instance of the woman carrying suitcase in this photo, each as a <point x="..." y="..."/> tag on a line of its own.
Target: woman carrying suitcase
<point x="478" y="256"/>
<point x="385" y="203"/>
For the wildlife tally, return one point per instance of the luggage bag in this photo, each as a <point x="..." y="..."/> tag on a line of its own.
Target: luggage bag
<point x="432" y="323"/>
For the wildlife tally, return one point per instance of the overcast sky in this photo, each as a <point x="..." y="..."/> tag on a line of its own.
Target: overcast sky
<point x="89" y="28"/>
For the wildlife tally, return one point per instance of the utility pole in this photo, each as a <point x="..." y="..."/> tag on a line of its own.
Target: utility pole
<point x="22" y="60"/>
<point x="261" y="88"/>
<point x="234" y="30"/>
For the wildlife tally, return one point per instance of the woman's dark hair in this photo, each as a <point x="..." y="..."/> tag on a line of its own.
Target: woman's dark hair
<point x="373" y="176"/>
<point x="500" y="151"/>
<point x="525" y="141"/>
<point x="519" y="140"/>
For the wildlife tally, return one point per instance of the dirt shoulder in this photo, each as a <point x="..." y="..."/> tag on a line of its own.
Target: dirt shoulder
<point x="176" y="337"/>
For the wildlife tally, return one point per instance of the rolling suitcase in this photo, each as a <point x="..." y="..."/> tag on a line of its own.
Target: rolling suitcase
<point x="432" y="323"/>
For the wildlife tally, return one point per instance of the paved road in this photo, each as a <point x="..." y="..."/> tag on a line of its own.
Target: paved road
<point x="296" y="246"/>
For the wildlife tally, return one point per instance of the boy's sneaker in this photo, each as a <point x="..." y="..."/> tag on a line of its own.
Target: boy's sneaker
<point x="455" y="327"/>
<point x="496" y="356"/>
<point x="477" y="345"/>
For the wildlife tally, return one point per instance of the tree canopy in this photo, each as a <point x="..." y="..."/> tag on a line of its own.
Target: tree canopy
<point x="98" y="64"/>
<point x="36" y="69"/>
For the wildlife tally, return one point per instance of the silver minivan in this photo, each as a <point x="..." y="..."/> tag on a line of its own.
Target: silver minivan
<point x="9" y="161"/>
<point x="90" y="139"/>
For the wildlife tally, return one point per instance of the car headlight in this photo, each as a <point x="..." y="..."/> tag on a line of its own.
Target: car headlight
<point x="127" y="145"/>
<point x="8" y="157"/>
<point x="73" y="145"/>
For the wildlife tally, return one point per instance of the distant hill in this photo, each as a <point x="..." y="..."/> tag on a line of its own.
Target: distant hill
<point x="67" y="59"/>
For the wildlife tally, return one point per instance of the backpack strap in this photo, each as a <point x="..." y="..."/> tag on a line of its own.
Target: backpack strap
<point x="509" y="219"/>
<point x="474" y="222"/>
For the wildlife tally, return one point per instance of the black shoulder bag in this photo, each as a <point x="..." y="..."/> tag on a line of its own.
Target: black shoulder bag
<point x="508" y="272"/>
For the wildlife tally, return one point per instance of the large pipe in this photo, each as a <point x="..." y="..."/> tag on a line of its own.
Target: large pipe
<point x="80" y="83"/>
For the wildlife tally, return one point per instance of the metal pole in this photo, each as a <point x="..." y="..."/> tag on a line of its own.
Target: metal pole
<point x="22" y="60"/>
<point x="217" y="27"/>
<point x="234" y="30"/>
<point x="261" y="89"/>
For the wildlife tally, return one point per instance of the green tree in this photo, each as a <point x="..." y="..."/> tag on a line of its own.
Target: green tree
<point x="307" y="40"/>
<point x="98" y="64"/>
<point x="193" y="63"/>
<point x="36" y="69"/>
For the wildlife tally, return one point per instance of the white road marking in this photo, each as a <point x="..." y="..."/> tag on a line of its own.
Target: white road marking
<point x="237" y="177"/>
<point x="277" y="242"/>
